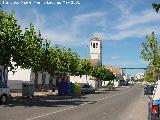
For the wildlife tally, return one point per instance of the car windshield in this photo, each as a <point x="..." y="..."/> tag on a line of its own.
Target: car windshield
<point x="86" y="86"/>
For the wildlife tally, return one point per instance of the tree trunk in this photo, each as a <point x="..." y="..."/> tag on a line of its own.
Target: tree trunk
<point x="5" y="74"/>
<point x="43" y="79"/>
<point x="36" y="79"/>
<point x="51" y="84"/>
<point x="86" y="79"/>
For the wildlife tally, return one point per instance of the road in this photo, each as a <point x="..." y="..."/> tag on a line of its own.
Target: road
<point x="122" y="104"/>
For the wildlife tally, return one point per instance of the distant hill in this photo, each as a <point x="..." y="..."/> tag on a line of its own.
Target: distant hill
<point x="16" y="84"/>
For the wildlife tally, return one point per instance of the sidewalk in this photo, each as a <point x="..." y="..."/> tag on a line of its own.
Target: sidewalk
<point x="36" y="94"/>
<point x="50" y="93"/>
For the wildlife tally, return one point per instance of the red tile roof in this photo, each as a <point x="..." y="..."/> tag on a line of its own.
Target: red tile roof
<point x="115" y="70"/>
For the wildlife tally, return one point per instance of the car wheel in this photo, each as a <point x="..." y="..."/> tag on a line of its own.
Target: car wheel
<point x="3" y="99"/>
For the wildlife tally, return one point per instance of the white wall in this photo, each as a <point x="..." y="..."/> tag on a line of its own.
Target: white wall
<point x="20" y="74"/>
<point x="95" y="50"/>
<point x="104" y="83"/>
<point x="96" y="53"/>
<point x="116" y="83"/>
<point x="140" y="75"/>
<point x="95" y="56"/>
<point x="40" y="78"/>
<point x="83" y="79"/>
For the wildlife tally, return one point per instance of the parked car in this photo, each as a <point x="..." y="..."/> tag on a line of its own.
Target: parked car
<point x="87" y="89"/>
<point x="154" y="110"/>
<point x="154" y="103"/>
<point x="4" y="92"/>
<point x="148" y="90"/>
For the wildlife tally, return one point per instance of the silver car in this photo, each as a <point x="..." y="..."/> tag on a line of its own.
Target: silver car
<point x="87" y="89"/>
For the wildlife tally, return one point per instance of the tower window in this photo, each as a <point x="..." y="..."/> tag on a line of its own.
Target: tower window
<point x="94" y="45"/>
<point x="91" y="43"/>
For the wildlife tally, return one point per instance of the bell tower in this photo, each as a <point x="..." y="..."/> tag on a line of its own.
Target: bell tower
<point x="96" y="50"/>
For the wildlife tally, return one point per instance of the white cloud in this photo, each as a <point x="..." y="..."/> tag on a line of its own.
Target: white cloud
<point x="88" y="16"/>
<point x="142" y="31"/>
<point x="77" y="29"/>
<point x="123" y="6"/>
<point x="146" y="16"/>
<point x="73" y="34"/>
<point x="115" y="57"/>
<point x="79" y="22"/>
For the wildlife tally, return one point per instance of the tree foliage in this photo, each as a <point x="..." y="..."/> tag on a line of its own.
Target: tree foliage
<point x="156" y="6"/>
<point x="10" y="38"/>
<point x="149" y="74"/>
<point x="25" y="49"/>
<point x="151" y="52"/>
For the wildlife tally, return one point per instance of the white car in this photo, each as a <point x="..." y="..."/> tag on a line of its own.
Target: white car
<point x="4" y="92"/>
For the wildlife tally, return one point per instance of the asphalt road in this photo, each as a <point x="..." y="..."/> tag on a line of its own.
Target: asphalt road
<point x="122" y="104"/>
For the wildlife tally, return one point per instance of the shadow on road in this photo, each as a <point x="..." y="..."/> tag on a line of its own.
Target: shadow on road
<point x="46" y="101"/>
<point x="110" y="90"/>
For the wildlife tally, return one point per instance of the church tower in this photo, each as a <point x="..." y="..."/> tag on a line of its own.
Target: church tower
<point x="96" y="51"/>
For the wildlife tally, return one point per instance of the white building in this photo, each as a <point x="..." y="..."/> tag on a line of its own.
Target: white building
<point x="28" y="75"/>
<point x="139" y="76"/>
<point x="20" y="74"/>
<point x="96" y="51"/>
<point x="48" y="81"/>
<point x="95" y="58"/>
<point x="84" y="80"/>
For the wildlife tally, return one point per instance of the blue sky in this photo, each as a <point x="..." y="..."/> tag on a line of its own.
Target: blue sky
<point x="121" y="24"/>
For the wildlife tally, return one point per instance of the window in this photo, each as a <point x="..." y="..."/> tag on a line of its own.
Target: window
<point x="93" y="45"/>
<point x="96" y="45"/>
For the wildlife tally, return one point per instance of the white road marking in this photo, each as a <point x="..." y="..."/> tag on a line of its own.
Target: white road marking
<point x="47" y="114"/>
<point x="99" y="99"/>
<point x="51" y="113"/>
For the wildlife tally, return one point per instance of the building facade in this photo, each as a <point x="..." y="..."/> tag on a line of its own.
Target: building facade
<point x="96" y="51"/>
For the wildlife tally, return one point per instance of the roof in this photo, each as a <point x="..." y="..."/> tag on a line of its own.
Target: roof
<point x="115" y="70"/>
<point x="96" y="38"/>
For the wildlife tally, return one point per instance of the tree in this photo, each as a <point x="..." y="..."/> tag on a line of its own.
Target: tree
<point x="119" y="77"/>
<point x="149" y="74"/>
<point x="156" y="6"/>
<point x="10" y="38"/>
<point x="29" y="54"/>
<point x="102" y="73"/>
<point x="54" y="61"/>
<point x="75" y="61"/>
<point x="151" y="52"/>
